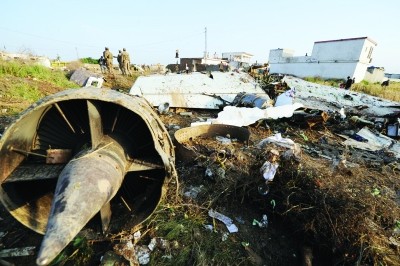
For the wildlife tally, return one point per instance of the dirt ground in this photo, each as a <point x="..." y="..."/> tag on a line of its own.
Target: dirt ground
<point x="277" y="244"/>
<point x="328" y="203"/>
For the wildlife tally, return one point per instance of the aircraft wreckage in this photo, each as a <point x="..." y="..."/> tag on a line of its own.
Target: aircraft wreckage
<point x="198" y="90"/>
<point x="195" y="90"/>
<point x="78" y="153"/>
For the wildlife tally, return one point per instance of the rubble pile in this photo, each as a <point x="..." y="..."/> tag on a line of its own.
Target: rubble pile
<point x="321" y="161"/>
<point x="344" y="201"/>
<point x="338" y="187"/>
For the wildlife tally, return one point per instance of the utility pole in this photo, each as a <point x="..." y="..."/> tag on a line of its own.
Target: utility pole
<point x="205" y="51"/>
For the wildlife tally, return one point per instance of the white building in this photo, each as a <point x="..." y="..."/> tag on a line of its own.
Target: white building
<point x="375" y="74"/>
<point x="233" y="59"/>
<point x="237" y="59"/>
<point x="40" y="60"/>
<point x="329" y="59"/>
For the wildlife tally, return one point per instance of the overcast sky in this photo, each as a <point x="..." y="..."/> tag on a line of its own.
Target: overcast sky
<point x="152" y="30"/>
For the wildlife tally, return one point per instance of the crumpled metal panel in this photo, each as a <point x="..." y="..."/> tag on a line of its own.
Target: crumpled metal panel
<point x="184" y="135"/>
<point x="195" y="90"/>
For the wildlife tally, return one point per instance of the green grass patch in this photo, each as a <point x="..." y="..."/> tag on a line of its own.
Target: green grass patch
<point x="327" y="82"/>
<point x="33" y="71"/>
<point x="89" y="60"/>
<point x="23" y="83"/>
<point x="77" y="253"/>
<point x="190" y="242"/>
<point x="25" y="92"/>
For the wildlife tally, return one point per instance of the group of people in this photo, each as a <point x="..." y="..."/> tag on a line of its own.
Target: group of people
<point x="124" y="62"/>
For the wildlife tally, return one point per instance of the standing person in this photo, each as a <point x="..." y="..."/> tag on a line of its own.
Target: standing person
<point x="126" y="62"/>
<point x="120" y="64"/>
<point x="348" y="83"/>
<point x="221" y="67"/>
<point x="109" y="60"/>
<point x="102" y="64"/>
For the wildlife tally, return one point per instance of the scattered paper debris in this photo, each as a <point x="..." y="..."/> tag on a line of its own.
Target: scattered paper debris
<point x="232" y="228"/>
<point x="268" y="170"/>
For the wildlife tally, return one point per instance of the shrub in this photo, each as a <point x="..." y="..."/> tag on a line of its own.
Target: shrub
<point x="89" y="60"/>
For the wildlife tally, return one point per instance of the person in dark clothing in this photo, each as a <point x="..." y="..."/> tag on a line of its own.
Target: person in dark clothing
<point x="385" y="83"/>
<point x="120" y="64"/>
<point x="102" y="63"/>
<point x="348" y="83"/>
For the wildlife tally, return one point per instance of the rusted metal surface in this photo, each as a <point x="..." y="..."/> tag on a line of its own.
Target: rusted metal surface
<point x="101" y="140"/>
<point x="182" y="136"/>
<point x="56" y="156"/>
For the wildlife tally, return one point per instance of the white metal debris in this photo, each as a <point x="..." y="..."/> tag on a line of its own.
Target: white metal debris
<point x="244" y="116"/>
<point x="327" y="98"/>
<point x="17" y="252"/>
<point x="86" y="78"/>
<point x="375" y="142"/>
<point x="195" y="90"/>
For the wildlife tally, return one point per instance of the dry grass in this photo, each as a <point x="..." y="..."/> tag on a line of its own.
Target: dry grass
<point x="351" y="213"/>
<point x="391" y="92"/>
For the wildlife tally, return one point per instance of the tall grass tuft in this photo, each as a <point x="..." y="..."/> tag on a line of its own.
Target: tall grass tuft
<point x="391" y="92"/>
<point x="27" y="70"/>
<point x="327" y="82"/>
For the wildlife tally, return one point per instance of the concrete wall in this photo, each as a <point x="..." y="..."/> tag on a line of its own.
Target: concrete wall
<point x="314" y="69"/>
<point x="375" y="74"/>
<point x="280" y="56"/>
<point x="329" y="59"/>
<point x="40" y="60"/>
<point x="342" y="51"/>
